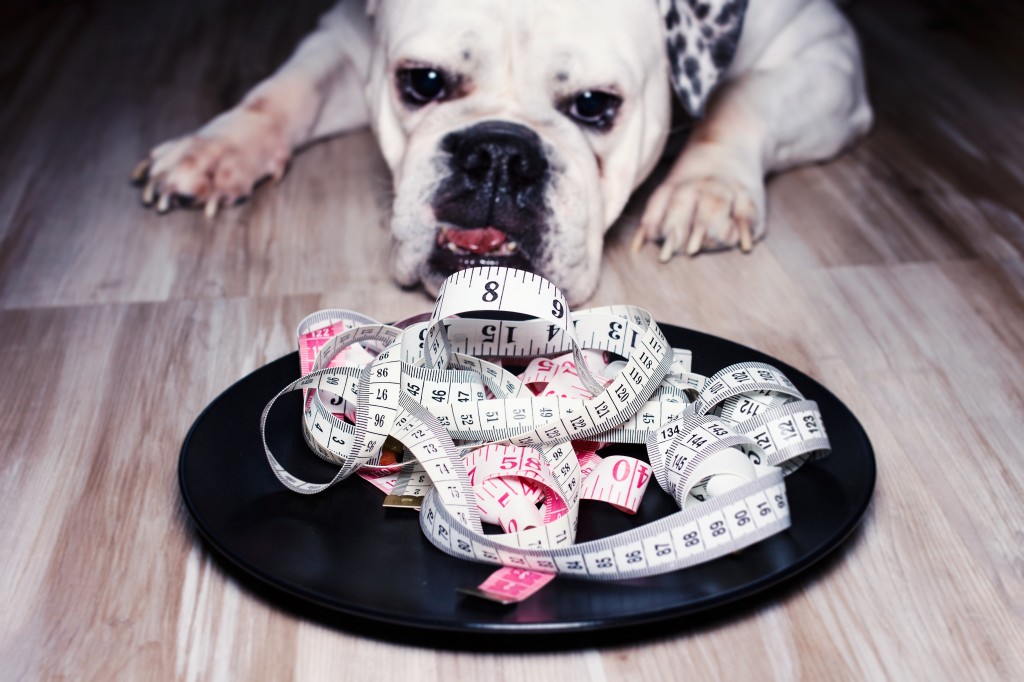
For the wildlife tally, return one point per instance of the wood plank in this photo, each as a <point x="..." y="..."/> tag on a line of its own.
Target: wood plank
<point x="893" y="274"/>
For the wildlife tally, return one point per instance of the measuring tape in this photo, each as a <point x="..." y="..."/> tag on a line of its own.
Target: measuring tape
<point x="428" y="410"/>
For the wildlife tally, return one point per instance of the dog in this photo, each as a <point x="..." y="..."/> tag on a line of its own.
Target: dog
<point x="516" y="132"/>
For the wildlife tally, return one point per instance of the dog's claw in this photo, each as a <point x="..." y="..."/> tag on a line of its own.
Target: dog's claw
<point x="211" y="208"/>
<point x="149" y="192"/>
<point x="746" y="240"/>
<point x="638" y="240"/>
<point x="164" y="203"/>
<point x="141" y="169"/>
<point x="668" y="247"/>
<point x="696" y="239"/>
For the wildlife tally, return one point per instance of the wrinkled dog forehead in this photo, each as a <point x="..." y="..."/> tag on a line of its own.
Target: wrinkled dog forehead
<point x="591" y="43"/>
<point x="590" y="37"/>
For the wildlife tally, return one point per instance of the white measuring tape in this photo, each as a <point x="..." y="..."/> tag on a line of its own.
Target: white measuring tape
<point x="428" y="411"/>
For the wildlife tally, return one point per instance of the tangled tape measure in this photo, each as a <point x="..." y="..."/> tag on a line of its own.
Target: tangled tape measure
<point x="427" y="410"/>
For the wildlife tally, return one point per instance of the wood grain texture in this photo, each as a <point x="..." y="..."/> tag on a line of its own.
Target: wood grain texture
<point x="893" y="275"/>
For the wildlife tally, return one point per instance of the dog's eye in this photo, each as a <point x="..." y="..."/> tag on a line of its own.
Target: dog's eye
<point x="593" y="108"/>
<point x="420" y="86"/>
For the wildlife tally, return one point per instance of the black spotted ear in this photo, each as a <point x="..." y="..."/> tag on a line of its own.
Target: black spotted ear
<point x="701" y="36"/>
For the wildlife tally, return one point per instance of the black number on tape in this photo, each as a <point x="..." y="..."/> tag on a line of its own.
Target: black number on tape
<point x="490" y="292"/>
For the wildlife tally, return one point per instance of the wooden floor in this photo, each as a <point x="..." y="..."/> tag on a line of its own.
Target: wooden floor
<point x="893" y="275"/>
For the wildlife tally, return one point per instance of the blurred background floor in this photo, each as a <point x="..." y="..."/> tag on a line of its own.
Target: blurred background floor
<point x="893" y="275"/>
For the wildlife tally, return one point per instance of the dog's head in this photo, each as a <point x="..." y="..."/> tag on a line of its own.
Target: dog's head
<point x="515" y="131"/>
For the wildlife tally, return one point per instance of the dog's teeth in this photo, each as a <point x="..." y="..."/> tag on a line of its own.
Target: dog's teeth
<point x="452" y="247"/>
<point x="511" y="247"/>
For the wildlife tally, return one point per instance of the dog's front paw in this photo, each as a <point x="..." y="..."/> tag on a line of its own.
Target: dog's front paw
<point x="216" y="166"/>
<point x="692" y="212"/>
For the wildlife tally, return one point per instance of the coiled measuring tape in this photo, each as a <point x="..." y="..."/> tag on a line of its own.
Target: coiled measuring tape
<point x="428" y="411"/>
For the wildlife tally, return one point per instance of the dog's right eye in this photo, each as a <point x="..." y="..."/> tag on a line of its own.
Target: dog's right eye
<point x="419" y="86"/>
<point x="593" y="108"/>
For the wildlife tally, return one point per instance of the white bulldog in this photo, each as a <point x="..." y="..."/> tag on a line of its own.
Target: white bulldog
<point x="516" y="131"/>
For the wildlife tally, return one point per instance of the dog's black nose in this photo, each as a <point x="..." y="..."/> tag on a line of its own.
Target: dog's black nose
<point x="498" y="153"/>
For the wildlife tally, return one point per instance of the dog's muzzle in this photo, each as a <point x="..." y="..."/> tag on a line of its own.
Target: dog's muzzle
<point x="491" y="207"/>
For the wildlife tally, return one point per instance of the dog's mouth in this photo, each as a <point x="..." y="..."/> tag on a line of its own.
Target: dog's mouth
<point x="458" y="248"/>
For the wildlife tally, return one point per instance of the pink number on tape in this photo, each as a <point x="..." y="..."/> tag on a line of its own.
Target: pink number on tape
<point x="511" y="585"/>
<point x="618" y="480"/>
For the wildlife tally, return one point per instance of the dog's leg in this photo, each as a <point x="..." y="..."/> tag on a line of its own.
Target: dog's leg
<point x="802" y="100"/>
<point x="317" y="92"/>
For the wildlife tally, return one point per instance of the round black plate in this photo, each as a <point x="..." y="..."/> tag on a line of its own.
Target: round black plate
<point x="342" y="551"/>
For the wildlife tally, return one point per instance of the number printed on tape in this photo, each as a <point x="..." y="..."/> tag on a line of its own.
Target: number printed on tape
<point x="505" y="419"/>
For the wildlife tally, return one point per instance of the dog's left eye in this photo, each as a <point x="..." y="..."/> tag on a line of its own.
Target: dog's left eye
<point x="593" y="108"/>
<point x="420" y="86"/>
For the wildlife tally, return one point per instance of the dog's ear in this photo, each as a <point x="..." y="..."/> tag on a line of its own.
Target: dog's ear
<point x="701" y="36"/>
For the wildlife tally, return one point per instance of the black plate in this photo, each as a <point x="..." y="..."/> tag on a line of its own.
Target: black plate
<point x="341" y="552"/>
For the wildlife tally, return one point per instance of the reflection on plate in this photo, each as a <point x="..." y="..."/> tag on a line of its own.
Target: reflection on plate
<point x="343" y="552"/>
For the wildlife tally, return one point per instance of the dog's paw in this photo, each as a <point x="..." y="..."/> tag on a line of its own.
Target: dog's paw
<point x="218" y="165"/>
<point x="708" y="212"/>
